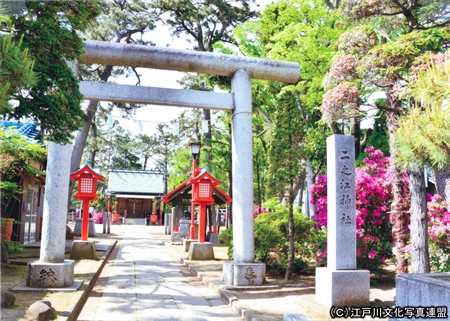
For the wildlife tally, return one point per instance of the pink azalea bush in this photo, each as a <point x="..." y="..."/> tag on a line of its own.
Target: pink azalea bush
<point x="439" y="232"/>
<point x="258" y="210"/>
<point x="98" y="217"/>
<point x="373" y="226"/>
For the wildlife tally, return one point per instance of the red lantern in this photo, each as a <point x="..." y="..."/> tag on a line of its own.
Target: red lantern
<point x="87" y="191"/>
<point x="202" y="191"/>
<point x="87" y="183"/>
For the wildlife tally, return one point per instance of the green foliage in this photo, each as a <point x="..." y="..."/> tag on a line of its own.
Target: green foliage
<point x="423" y="135"/>
<point x="271" y="240"/>
<point x="378" y="138"/>
<point x="394" y="59"/>
<point x="101" y="203"/>
<point x="10" y="247"/>
<point x="226" y="237"/>
<point x="286" y="152"/>
<point x="18" y="157"/>
<point x="422" y="138"/>
<point x="16" y="72"/>
<point x="181" y="169"/>
<point x="286" y="124"/>
<point x="430" y="80"/>
<point x="206" y="21"/>
<point x="49" y="31"/>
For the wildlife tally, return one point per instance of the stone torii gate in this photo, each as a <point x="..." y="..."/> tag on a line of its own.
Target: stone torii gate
<point x="243" y="270"/>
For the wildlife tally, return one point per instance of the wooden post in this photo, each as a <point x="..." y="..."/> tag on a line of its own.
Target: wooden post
<point x="202" y="223"/>
<point x="85" y="221"/>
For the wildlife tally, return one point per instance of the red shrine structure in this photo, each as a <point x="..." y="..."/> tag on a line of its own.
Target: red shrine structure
<point x="204" y="193"/>
<point x="87" y="191"/>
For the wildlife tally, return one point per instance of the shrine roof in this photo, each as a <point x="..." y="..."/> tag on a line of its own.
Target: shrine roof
<point x="138" y="182"/>
<point x="183" y="190"/>
<point x="28" y="129"/>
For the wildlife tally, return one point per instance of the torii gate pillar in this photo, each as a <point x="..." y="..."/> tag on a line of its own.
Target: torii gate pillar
<point x="243" y="270"/>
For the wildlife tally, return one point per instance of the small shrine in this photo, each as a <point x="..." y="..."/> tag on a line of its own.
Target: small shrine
<point x="204" y="193"/>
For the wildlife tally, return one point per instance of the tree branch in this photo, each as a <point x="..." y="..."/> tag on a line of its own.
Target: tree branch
<point x="264" y="115"/>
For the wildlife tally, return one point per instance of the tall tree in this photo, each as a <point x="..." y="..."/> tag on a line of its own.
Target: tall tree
<point x="50" y="33"/>
<point x="422" y="140"/>
<point x="291" y="112"/>
<point x="287" y="166"/>
<point x="146" y="146"/>
<point x="205" y="23"/>
<point x="276" y="35"/>
<point x="121" y="21"/>
<point x="164" y="151"/>
<point x="384" y="39"/>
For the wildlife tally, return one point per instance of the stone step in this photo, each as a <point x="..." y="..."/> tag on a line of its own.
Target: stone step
<point x="134" y="221"/>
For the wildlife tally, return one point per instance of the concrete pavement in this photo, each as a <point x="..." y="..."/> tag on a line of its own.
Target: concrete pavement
<point x="146" y="281"/>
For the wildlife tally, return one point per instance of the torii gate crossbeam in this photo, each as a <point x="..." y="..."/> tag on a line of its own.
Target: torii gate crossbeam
<point x="243" y="270"/>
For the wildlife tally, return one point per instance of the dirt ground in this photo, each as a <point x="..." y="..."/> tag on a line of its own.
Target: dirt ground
<point x="294" y="296"/>
<point x="298" y="296"/>
<point x="15" y="273"/>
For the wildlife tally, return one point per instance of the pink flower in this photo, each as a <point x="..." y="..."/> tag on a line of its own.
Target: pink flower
<point x="372" y="255"/>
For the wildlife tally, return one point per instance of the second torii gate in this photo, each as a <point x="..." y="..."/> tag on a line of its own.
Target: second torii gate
<point x="243" y="270"/>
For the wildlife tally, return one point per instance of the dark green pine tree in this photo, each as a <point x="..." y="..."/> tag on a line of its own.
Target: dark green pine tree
<point x="50" y="33"/>
<point x="286" y="155"/>
<point x="16" y="67"/>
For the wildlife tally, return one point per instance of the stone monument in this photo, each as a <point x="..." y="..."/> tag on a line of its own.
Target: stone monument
<point x="340" y="284"/>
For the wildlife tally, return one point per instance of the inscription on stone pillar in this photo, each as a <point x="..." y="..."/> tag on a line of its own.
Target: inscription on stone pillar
<point x="341" y="202"/>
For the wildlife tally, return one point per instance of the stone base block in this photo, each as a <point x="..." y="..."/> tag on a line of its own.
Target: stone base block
<point x="423" y="290"/>
<point x="342" y="287"/>
<point x="244" y="274"/>
<point x="83" y="250"/>
<point x="50" y="275"/>
<point x="77" y="228"/>
<point x="201" y="251"/>
<point x="295" y="317"/>
<point x="214" y="238"/>
<point x="176" y="238"/>
<point x="187" y="244"/>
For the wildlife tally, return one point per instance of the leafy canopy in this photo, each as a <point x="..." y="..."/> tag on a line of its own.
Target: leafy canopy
<point x="49" y="31"/>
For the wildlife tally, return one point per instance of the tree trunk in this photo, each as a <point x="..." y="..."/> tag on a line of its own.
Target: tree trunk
<point x="207" y="136"/>
<point x="258" y="182"/>
<point x="399" y="207"/>
<point x="420" y="259"/>
<point x="94" y="149"/>
<point x="309" y="184"/>
<point x="443" y="183"/>
<point x="291" y="254"/>
<point x="80" y="142"/>
<point x="356" y="132"/>
<point x="145" y="161"/>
